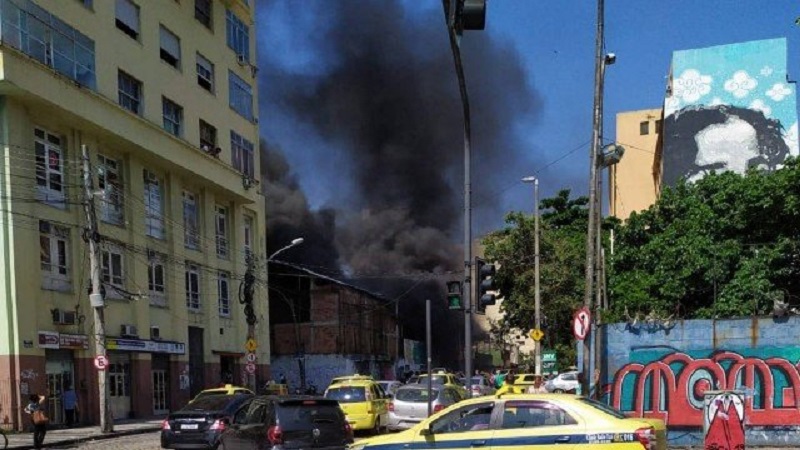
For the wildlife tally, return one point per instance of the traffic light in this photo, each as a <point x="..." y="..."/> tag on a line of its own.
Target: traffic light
<point x="454" y="299"/>
<point x="470" y="15"/>
<point x="485" y="285"/>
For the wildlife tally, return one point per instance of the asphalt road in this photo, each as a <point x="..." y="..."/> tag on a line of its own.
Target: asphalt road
<point x="147" y="441"/>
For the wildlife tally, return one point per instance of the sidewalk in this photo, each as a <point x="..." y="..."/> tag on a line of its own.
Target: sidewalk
<point x="60" y="437"/>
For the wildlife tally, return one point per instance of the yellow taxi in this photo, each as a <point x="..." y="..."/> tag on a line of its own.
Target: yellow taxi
<point x="362" y="400"/>
<point x="443" y="379"/>
<point x="227" y="389"/>
<point x="525" y="421"/>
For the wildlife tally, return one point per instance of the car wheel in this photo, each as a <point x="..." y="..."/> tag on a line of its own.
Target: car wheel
<point x="376" y="430"/>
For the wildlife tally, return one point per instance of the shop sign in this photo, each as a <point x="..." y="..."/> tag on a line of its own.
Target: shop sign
<point x="49" y="339"/>
<point x="141" y="345"/>
<point x="55" y="340"/>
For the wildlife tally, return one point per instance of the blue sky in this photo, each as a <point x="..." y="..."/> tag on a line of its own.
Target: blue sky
<point x="555" y="42"/>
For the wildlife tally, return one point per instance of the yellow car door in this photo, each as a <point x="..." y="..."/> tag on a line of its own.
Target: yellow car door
<point x="465" y="427"/>
<point x="537" y="424"/>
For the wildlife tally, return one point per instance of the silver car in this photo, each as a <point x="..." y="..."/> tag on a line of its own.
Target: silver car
<point x="480" y="386"/>
<point x="563" y="382"/>
<point x="410" y="404"/>
<point x="390" y="386"/>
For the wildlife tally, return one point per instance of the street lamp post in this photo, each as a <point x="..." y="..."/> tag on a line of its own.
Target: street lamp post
<point x="537" y="305"/>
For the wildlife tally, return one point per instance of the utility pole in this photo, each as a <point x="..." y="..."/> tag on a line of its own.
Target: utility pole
<point x="429" y="351"/>
<point x="96" y="297"/>
<point x="248" y="291"/>
<point x="593" y="153"/>
<point x="537" y="304"/>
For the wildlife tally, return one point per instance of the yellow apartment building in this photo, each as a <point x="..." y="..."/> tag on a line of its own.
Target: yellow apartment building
<point x="634" y="182"/>
<point x="163" y="94"/>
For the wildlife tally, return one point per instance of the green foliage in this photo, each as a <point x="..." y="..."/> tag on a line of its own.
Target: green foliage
<point x="724" y="246"/>
<point x="562" y="264"/>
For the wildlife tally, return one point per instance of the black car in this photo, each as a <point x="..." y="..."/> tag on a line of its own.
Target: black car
<point x="200" y="423"/>
<point x="277" y="423"/>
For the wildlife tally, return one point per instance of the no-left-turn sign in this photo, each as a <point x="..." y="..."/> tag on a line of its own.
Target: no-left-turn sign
<point x="581" y="323"/>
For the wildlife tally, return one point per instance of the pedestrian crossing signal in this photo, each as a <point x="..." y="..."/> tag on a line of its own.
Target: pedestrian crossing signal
<point x="454" y="299"/>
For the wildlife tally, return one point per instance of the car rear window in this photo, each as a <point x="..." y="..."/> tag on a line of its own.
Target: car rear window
<point x="308" y="414"/>
<point x="347" y="394"/>
<point x="210" y="402"/>
<point x="603" y="407"/>
<point x="415" y="395"/>
<point x="436" y="379"/>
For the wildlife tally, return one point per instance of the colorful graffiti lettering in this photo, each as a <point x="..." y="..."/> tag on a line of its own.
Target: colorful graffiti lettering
<point x="672" y="387"/>
<point x="724" y="422"/>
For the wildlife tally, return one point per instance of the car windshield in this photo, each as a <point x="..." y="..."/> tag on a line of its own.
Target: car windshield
<point x="347" y="394"/>
<point x="603" y="407"/>
<point x="415" y="395"/>
<point x="209" y="402"/>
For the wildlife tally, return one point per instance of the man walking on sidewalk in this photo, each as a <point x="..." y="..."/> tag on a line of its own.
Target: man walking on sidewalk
<point x="70" y="399"/>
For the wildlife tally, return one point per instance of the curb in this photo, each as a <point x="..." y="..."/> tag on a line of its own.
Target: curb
<point x="93" y="437"/>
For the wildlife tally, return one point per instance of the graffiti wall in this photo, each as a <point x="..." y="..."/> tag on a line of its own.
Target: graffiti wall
<point x="665" y="370"/>
<point x="728" y="107"/>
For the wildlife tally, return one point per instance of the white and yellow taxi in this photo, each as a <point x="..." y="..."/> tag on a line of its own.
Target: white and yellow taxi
<point x="524" y="421"/>
<point x="362" y="400"/>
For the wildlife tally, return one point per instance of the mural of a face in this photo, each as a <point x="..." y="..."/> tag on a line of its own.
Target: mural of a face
<point x="728" y="146"/>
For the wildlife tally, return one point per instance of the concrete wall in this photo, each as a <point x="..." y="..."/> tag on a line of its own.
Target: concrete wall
<point x="662" y="371"/>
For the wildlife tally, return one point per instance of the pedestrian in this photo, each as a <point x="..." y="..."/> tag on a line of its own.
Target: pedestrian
<point x="36" y="408"/>
<point x="508" y="386"/>
<point x="538" y="386"/>
<point x="70" y="399"/>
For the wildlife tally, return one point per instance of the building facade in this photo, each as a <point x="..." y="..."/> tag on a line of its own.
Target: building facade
<point x="322" y="328"/>
<point x="162" y="94"/>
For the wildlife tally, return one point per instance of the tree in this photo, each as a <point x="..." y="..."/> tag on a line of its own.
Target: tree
<point x="562" y="262"/>
<point x="725" y="246"/>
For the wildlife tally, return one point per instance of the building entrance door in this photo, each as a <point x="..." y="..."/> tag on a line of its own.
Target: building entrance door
<point x="60" y="370"/>
<point x="160" y="392"/>
<point x="119" y="385"/>
<point x="196" y="361"/>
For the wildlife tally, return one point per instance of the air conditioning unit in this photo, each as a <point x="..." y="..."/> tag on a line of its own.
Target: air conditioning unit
<point x="155" y="333"/>
<point x="61" y="317"/>
<point x="129" y="331"/>
<point x="242" y="60"/>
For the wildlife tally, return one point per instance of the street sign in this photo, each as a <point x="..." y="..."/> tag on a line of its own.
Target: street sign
<point x="100" y="362"/>
<point x="581" y="323"/>
<point x="536" y="334"/>
<point x="549" y="364"/>
<point x="250" y="368"/>
<point x="251" y="345"/>
<point x="250" y="357"/>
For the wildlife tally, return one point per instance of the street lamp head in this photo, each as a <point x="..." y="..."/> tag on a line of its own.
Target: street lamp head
<point x="610" y="58"/>
<point x="297" y="241"/>
<point x="530" y="179"/>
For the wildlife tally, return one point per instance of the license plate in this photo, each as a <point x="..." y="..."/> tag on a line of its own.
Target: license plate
<point x="189" y="426"/>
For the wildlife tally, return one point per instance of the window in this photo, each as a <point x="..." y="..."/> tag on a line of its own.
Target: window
<point x="170" y="48"/>
<point x="241" y="96"/>
<point x="54" y="256"/>
<point x="242" y="155"/>
<point x="658" y="126"/>
<point x="128" y="18"/>
<point x="191" y="221"/>
<point x="119" y="379"/>
<point x="173" y="116"/>
<point x="192" y="286"/>
<point x="223" y="289"/>
<point x="49" y="168"/>
<point x="112" y="265"/>
<point x="467" y="418"/>
<point x="530" y="414"/>
<point x="156" y="279"/>
<point x="248" y="237"/>
<point x="202" y="12"/>
<point x="221" y="231"/>
<point x="130" y="92"/>
<point x="87" y="3"/>
<point x="644" y="128"/>
<point x="205" y="73"/>
<point x="238" y="35"/>
<point x="154" y="208"/>
<point x="46" y="38"/>
<point x="110" y="181"/>
<point x="208" y="136"/>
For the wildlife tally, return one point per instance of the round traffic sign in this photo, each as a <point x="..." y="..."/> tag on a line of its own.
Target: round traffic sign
<point x="100" y="362"/>
<point x="581" y="323"/>
<point x="250" y="368"/>
<point x="250" y="357"/>
<point x="536" y="334"/>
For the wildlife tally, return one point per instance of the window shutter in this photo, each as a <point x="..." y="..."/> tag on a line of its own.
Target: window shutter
<point x="170" y="43"/>
<point x="128" y="13"/>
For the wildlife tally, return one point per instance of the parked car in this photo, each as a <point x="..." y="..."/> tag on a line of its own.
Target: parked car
<point x="200" y="423"/>
<point x="364" y="403"/>
<point x="444" y="379"/>
<point x="563" y="382"/>
<point x="410" y="404"/>
<point x="526" y="422"/>
<point x="268" y="422"/>
<point x="481" y="386"/>
<point x="227" y="389"/>
<point x="390" y="386"/>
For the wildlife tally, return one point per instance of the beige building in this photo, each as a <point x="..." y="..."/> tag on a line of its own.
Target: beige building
<point x="163" y="94"/>
<point x="634" y="182"/>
